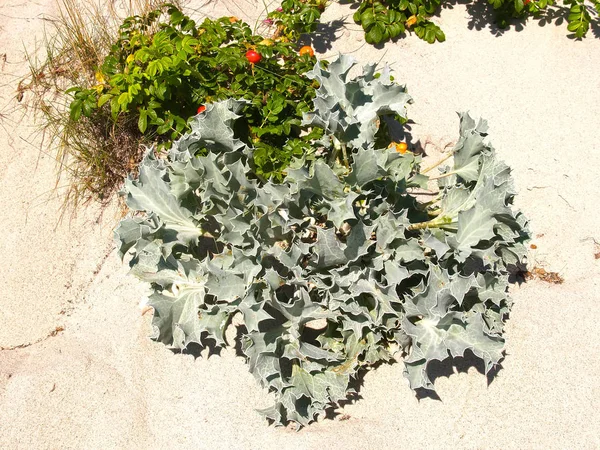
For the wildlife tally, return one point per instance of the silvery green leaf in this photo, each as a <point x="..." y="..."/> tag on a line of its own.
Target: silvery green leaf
<point x="311" y="386"/>
<point x="436" y="240"/>
<point x="151" y="193"/>
<point x="365" y="168"/>
<point x="264" y="342"/>
<point x="390" y="228"/>
<point x="416" y="373"/>
<point x="492" y="287"/>
<point x="433" y="298"/>
<point x="472" y="336"/>
<point x="409" y="250"/>
<point x="488" y="256"/>
<point x="350" y="109"/>
<point x="180" y="319"/>
<point x="214" y="181"/>
<point x="266" y="369"/>
<point x="132" y="229"/>
<point x="323" y="181"/>
<point x="225" y="285"/>
<point x="186" y="176"/>
<point x="342" y="209"/>
<point x="310" y="351"/>
<point x="460" y="285"/>
<point x="329" y="250"/>
<point x="395" y="273"/>
<point x="399" y="167"/>
<point x="474" y="225"/>
<point x="385" y="297"/>
<point x="213" y="321"/>
<point x="468" y="148"/>
<point x="213" y="129"/>
<point x="428" y="338"/>
<point x="358" y="242"/>
<point x="290" y="257"/>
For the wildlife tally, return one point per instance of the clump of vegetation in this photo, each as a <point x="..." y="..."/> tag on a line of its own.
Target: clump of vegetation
<point x="295" y="17"/>
<point x="383" y="20"/>
<point x="142" y="83"/>
<point x="342" y="264"/>
<point x="162" y="79"/>
<point x="95" y="153"/>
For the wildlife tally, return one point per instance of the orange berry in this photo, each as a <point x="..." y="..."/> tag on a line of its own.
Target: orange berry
<point x="306" y="50"/>
<point x="401" y="147"/>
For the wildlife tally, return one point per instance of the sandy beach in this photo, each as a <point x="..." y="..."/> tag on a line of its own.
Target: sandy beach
<point x="77" y="369"/>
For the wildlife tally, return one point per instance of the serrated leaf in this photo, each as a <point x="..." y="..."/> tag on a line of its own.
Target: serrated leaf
<point x="350" y="110"/>
<point x="474" y="225"/>
<point x="323" y="181"/>
<point x="225" y="285"/>
<point x="151" y="193"/>
<point x="364" y="168"/>
<point x="329" y="250"/>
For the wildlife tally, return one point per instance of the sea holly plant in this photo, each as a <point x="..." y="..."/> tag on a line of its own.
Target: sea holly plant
<point x="341" y="265"/>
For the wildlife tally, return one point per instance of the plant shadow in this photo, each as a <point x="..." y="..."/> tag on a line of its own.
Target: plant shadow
<point x="436" y="369"/>
<point x="195" y="349"/>
<point x="356" y="383"/>
<point x="324" y="36"/>
<point x="483" y="16"/>
<point x="450" y="366"/>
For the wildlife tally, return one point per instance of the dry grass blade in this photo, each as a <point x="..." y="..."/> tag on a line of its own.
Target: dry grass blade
<point x="94" y="154"/>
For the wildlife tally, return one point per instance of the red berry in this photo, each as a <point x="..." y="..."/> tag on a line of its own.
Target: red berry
<point x="253" y="56"/>
<point x="201" y="109"/>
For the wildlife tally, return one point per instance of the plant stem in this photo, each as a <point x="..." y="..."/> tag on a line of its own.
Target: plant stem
<point x="437" y="222"/>
<point x="447" y="174"/>
<point x="446" y="158"/>
<point x="336" y="148"/>
<point x="345" y="155"/>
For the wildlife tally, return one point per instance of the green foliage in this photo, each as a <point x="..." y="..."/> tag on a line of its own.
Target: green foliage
<point x="579" y="17"/>
<point x="337" y="267"/>
<point x="160" y="79"/>
<point x="383" y="20"/>
<point x="295" y="17"/>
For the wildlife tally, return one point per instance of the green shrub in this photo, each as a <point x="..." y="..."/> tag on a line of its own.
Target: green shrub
<point x="383" y="20"/>
<point x="161" y="79"/>
<point x="295" y="17"/>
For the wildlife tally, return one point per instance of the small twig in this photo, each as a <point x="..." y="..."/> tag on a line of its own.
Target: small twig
<point x="53" y="333"/>
<point x="567" y="202"/>
<point x="423" y="192"/>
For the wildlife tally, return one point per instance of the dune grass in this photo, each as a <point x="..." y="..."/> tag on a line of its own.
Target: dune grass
<point x="94" y="154"/>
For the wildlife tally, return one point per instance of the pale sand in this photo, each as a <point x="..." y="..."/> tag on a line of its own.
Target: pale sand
<point x="103" y="384"/>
